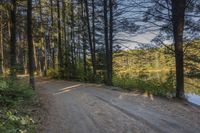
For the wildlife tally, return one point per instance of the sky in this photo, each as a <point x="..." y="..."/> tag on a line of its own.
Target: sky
<point x="133" y="41"/>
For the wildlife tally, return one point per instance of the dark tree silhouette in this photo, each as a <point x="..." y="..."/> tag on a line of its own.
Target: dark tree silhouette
<point x="30" y="44"/>
<point x="13" y="39"/>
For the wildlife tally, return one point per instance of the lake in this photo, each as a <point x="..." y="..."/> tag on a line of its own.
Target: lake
<point x="193" y="98"/>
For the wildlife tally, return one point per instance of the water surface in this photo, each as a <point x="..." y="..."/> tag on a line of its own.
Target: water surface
<point x="193" y="98"/>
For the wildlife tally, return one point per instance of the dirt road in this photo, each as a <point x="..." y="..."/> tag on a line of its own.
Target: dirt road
<point x="88" y="108"/>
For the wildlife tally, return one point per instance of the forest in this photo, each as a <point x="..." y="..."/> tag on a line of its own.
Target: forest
<point x="135" y="46"/>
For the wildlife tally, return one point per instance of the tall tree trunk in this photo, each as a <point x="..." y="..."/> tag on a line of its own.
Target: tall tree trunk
<point x="43" y="61"/>
<point x="66" y="43"/>
<point x="60" y="58"/>
<point x="30" y="44"/>
<point x="23" y="53"/>
<point x="83" y="39"/>
<point x="84" y="57"/>
<point x="64" y="23"/>
<point x="36" y="60"/>
<point x="90" y="39"/>
<point x="110" y="67"/>
<point x="72" y="39"/>
<point x="25" y="63"/>
<point x="13" y="40"/>
<point x="79" y="33"/>
<point x="93" y="33"/>
<point x="108" y="78"/>
<point x="53" y="56"/>
<point x="178" y="20"/>
<point x="51" y="36"/>
<point x="1" y="44"/>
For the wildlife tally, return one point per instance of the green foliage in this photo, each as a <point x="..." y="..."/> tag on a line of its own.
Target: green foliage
<point x="12" y="92"/>
<point x="77" y="74"/>
<point x="192" y="85"/>
<point x="15" y="122"/>
<point x="148" y="60"/>
<point x="15" y="116"/>
<point x="192" y="59"/>
<point x="155" y="87"/>
<point x="54" y="73"/>
<point x="153" y="70"/>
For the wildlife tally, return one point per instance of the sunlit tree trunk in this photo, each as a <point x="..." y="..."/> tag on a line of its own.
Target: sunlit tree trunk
<point x="1" y="44"/>
<point x="60" y="56"/>
<point x="43" y="61"/>
<point x="36" y="61"/>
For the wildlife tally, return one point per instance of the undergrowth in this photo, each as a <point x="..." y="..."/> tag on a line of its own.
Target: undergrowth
<point x="153" y="86"/>
<point x="17" y="107"/>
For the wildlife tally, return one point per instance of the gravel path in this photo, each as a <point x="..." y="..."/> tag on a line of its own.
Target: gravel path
<point x="75" y="107"/>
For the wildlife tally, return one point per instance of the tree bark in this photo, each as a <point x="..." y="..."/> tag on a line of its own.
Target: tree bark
<point x="108" y="65"/>
<point x="13" y="39"/>
<point x="1" y="45"/>
<point x="60" y="58"/>
<point x="110" y="69"/>
<point x="51" y="36"/>
<point x="72" y="40"/>
<point x="30" y="44"/>
<point x="83" y="29"/>
<point x="178" y="20"/>
<point x="43" y="61"/>
<point x="66" y="42"/>
<point x="93" y="34"/>
<point x="90" y="39"/>
<point x="36" y="60"/>
<point x="64" y="24"/>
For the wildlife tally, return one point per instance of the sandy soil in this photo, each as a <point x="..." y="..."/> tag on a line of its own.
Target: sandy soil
<point x="75" y="107"/>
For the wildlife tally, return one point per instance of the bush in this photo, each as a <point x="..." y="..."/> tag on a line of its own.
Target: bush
<point x="155" y="87"/>
<point x="15" y="113"/>
<point x="77" y="74"/>
<point x="54" y="73"/>
<point x="14" y="122"/>
<point x="12" y="92"/>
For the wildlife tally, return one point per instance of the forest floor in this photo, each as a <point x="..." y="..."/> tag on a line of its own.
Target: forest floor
<point x="74" y="107"/>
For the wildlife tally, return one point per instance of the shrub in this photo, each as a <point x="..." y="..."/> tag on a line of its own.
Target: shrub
<point x="13" y="92"/>
<point x="15" y="99"/>
<point x="54" y="73"/>
<point x="155" y="87"/>
<point x="14" y="122"/>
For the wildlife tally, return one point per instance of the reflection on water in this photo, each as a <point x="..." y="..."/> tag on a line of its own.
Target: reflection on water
<point x="192" y="85"/>
<point x="193" y="98"/>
